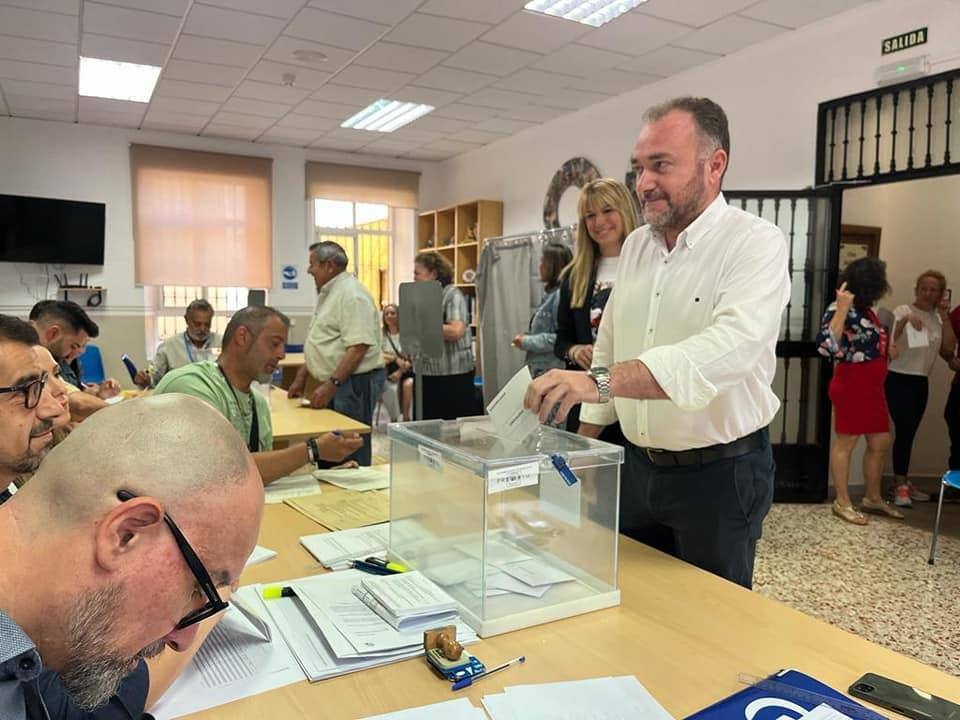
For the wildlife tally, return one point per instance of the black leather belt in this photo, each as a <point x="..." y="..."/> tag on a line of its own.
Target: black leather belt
<point x="709" y="454"/>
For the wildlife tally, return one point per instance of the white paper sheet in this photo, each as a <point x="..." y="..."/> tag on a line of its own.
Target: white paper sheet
<point x="375" y="477"/>
<point x="408" y="594"/>
<point x="512" y="421"/>
<point x="335" y="550"/>
<point x="824" y="712"/>
<point x="459" y="709"/>
<point x="260" y="554"/>
<point x="535" y="572"/>
<point x="233" y="663"/>
<point x="917" y="338"/>
<point x="292" y="486"/>
<point x="619" y="698"/>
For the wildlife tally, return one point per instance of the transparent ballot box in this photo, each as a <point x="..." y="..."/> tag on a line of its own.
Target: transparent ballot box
<point x="519" y="533"/>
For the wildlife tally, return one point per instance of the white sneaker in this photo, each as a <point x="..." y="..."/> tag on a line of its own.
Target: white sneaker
<point x="901" y="496"/>
<point x="917" y="495"/>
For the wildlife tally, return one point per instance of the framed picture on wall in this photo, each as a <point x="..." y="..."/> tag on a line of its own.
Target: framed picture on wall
<point x="858" y="241"/>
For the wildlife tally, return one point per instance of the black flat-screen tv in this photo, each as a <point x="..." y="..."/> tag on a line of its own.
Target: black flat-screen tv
<point x="45" y="230"/>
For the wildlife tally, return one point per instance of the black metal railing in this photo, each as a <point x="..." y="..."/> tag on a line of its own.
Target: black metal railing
<point x="899" y="132"/>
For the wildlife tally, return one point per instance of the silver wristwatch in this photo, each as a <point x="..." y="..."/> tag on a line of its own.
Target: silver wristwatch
<point x="601" y="376"/>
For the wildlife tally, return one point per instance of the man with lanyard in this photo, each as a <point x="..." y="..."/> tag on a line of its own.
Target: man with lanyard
<point x="687" y="354"/>
<point x="253" y="345"/>
<point x="195" y="343"/>
<point x="344" y="365"/>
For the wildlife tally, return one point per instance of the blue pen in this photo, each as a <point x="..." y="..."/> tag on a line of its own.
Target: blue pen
<point x="565" y="472"/>
<point x="471" y="679"/>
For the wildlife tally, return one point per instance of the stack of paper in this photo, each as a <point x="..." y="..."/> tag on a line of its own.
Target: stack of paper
<point x="335" y="550"/>
<point x="260" y="554"/>
<point x="610" y="698"/>
<point x="459" y="709"/>
<point x="292" y="486"/>
<point x="408" y="601"/>
<point x="375" y="477"/>
<point x="345" y="510"/>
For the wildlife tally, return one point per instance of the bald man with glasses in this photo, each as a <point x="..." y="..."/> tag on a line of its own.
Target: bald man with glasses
<point x="97" y="572"/>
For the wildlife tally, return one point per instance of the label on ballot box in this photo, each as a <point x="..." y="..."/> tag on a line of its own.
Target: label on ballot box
<point x="431" y="458"/>
<point x="515" y="476"/>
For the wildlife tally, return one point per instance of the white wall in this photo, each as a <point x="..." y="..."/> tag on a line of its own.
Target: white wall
<point x="770" y="92"/>
<point x="919" y="221"/>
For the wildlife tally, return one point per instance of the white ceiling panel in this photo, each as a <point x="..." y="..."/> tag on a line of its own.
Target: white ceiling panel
<point x="503" y="125"/>
<point x="27" y="50"/>
<point x="234" y="132"/>
<point x="324" y="109"/>
<point x="333" y="29"/>
<point x="160" y="120"/>
<point x="22" y="105"/>
<point x="580" y="60"/>
<point x="268" y="71"/>
<point x="270" y="92"/>
<point x="38" y="72"/>
<point x="531" y="113"/>
<point x="341" y="139"/>
<point x="401" y="57"/>
<point x="453" y="80"/>
<point x="215" y="50"/>
<point x="35" y="89"/>
<point x="308" y="122"/>
<point x="67" y="7"/>
<point x="191" y="90"/>
<point x="285" y="9"/>
<point x="795" y="14"/>
<point x="476" y="136"/>
<point x="635" y="34"/>
<point x="167" y="7"/>
<point x="613" y="82"/>
<point x="256" y="107"/>
<point x="111" y="112"/>
<point x="536" y="32"/>
<point x="427" y="155"/>
<point x="202" y="72"/>
<point x="388" y="146"/>
<point x="460" y="111"/>
<point x="417" y="136"/>
<point x="696" y="13"/>
<point x="373" y="78"/>
<point x="227" y="24"/>
<point x="343" y="94"/>
<point x="183" y="105"/>
<point x="572" y="99"/>
<point x="487" y="11"/>
<point x="284" y="47"/>
<point x="132" y="24"/>
<point x="729" y="35"/>
<point x="434" y="32"/>
<point x="3" y="106"/>
<point x="491" y="97"/>
<point x="38" y="25"/>
<point x="93" y="117"/>
<point x="427" y="96"/>
<point x="387" y="13"/>
<point x="439" y="124"/>
<point x="124" y="50"/>
<point x="537" y="82"/>
<point x="668" y="61"/>
<point x="492" y="59"/>
<point x="452" y="146"/>
<point x="254" y="122"/>
<point x="289" y="136"/>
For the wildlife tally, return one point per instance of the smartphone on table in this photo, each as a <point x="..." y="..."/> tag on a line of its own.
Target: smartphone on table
<point x="903" y="699"/>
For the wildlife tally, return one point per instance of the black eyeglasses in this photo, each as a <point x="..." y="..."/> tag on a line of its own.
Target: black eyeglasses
<point x="214" y="603"/>
<point x="32" y="390"/>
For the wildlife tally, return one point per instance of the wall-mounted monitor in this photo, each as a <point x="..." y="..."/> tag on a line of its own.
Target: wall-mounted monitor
<point x="45" y="230"/>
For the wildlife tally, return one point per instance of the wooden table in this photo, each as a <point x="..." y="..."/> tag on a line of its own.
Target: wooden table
<point x="289" y="367"/>
<point x="291" y="421"/>
<point x="684" y="633"/>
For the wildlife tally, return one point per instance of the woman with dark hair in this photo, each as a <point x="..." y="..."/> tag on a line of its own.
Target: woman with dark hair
<point x="852" y="334"/>
<point x="541" y="336"/>
<point x="448" y="390"/>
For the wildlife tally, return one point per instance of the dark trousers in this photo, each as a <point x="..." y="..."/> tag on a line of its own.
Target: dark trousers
<point x="951" y="413"/>
<point x="907" y="400"/>
<point x="708" y="515"/>
<point x="357" y="398"/>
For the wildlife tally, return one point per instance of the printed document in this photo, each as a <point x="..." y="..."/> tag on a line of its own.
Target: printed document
<point x="335" y="550"/>
<point x="292" y="486"/>
<point x="375" y="477"/>
<point x="341" y="511"/>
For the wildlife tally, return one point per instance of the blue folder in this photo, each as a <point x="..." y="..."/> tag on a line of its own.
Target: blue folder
<point x="788" y="693"/>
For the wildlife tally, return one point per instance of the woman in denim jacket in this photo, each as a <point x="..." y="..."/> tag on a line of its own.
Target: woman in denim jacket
<point x="539" y="340"/>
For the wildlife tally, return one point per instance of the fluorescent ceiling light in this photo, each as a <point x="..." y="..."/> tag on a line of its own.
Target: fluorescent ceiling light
<point x="117" y="80"/>
<point x="386" y="115"/>
<point x="588" y="12"/>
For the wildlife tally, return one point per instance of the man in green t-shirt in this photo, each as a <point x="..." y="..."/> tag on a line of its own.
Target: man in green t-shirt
<point x="253" y="345"/>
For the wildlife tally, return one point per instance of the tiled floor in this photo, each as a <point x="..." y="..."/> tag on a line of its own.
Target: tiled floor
<point x="873" y="580"/>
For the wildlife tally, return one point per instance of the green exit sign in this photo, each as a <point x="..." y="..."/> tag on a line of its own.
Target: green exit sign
<point x="903" y="41"/>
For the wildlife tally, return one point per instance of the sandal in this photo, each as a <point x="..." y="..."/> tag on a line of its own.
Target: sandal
<point x="849" y="513"/>
<point x="883" y="508"/>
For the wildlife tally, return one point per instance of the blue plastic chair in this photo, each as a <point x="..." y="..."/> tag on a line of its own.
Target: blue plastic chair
<point x="951" y="478"/>
<point x="91" y="365"/>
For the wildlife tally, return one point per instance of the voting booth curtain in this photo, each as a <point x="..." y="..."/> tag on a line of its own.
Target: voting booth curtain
<point x="201" y="218"/>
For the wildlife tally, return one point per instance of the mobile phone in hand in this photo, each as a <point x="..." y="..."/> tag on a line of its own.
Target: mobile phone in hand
<point x="904" y="699"/>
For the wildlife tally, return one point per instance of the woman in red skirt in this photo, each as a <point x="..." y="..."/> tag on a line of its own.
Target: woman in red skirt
<point x="851" y="334"/>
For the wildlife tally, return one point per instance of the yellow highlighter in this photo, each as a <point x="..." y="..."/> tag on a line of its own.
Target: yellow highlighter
<point x="274" y="592"/>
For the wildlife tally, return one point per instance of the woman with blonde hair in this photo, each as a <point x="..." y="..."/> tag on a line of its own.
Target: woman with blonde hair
<point x="607" y="214"/>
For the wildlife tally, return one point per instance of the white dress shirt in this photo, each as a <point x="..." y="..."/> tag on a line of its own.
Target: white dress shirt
<point x="704" y="319"/>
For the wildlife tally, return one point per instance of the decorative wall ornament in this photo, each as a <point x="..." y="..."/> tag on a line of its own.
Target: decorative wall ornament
<point x="575" y="172"/>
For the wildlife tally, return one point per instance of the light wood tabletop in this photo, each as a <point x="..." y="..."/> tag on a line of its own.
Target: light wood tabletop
<point x="294" y="360"/>
<point x="684" y="633"/>
<point x="291" y="421"/>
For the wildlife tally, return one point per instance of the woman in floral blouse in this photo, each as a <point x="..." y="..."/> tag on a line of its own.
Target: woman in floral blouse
<point x="851" y="334"/>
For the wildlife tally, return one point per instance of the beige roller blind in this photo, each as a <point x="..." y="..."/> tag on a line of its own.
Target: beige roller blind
<point x="201" y="218"/>
<point x="396" y="188"/>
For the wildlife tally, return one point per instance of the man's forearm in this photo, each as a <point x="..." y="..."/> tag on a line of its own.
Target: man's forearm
<point x="633" y="379"/>
<point x="275" y="464"/>
<point x="349" y="362"/>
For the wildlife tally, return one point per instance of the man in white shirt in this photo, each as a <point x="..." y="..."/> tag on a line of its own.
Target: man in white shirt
<point x="686" y="357"/>
<point x="343" y="362"/>
<point x="194" y="344"/>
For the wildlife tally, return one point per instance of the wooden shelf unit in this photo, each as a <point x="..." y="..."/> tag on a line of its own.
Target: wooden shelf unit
<point x="446" y="231"/>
